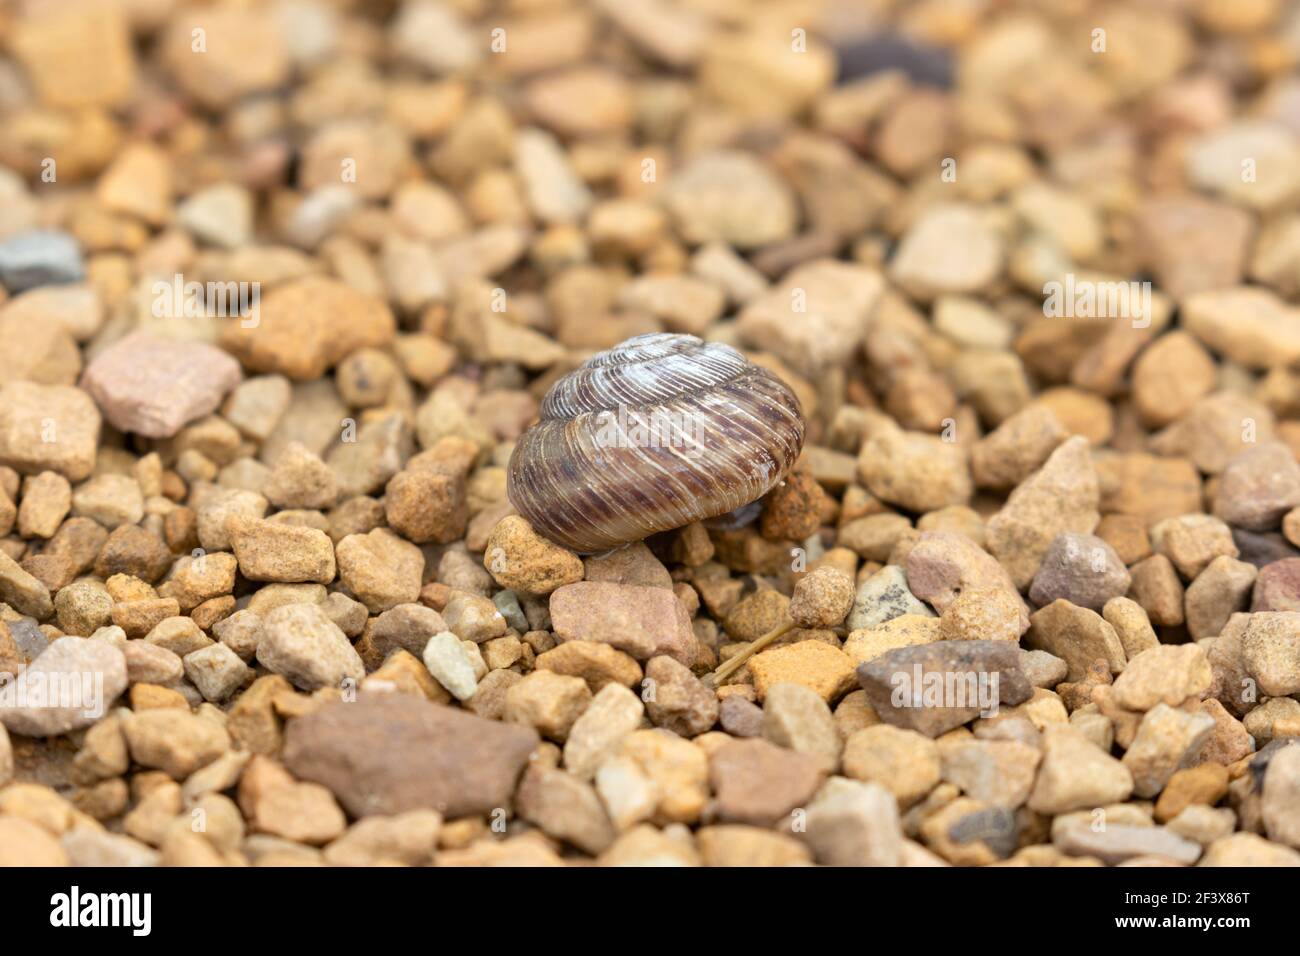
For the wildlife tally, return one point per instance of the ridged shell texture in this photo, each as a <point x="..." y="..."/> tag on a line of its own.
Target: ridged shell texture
<point x="651" y="435"/>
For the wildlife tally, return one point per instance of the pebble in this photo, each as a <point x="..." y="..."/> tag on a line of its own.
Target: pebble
<point x="31" y="413"/>
<point x="597" y="663"/>
<point x="1131" y="625"/>
<point x="1258" y="487"/>
<point x="822" y="668"/>
<point x="39" y="258"/>
<point x="1157" y="588"/>
<point x="1191" y="542"/>
<point x="731" y="197"/>
<point x="447" y="659"/>
<point x="153" y="386"/>
<point x="565" y="808"/>
<point x="548" y="702"/>
<point x="173" y="741"/>
<point x="1118" y="842"/>
<point x="267" y="551"/>
<point x="612" y="714"/>
<point x="1079" y="636"/>
<point x="914" y="687"/>
<point x="882" y="597"/>
<point x="1280" y="803"/>
<point x="307" y="326"/>
<point x="676" y="700"/>
<point x="996" y="772"/>
<point x="1247" y="849"/>
<point x="111" y="500"/>
<point x="915" y="471"/>
<point x="904" y="762"/>
<point x="759" y="783"/>
<point x="473" y="618"/>
<point x="391" y="753"/>
<point x="643" y="622"/>
<point x="25" y="592"/>
<point x="1247" y="325"/>
<point x="1082" y="569"/>
<point x="96" y="669"/>
<point x="1270" y="651"/>
<point x="409" y="839"/>
<point x="794" y="716"/>
<point x="853" y="824"/>
<point x="1060" y="497"/>
<point x="977" y="614"/>
<point x="300" y="642"/>
<point x="822" y="598"/>
<point x="1276" y="587"/>
<point x="836" y="300"/>
<point x="1076" y="774"/>
<point x="948" y="250"/>
<point x="216" y="671"/>
<point x="380" y="569"/>
<point x="1205" y="785"/>
<point x="1167" y="740"/>
<point x="941" y="565"/>
<point x="1169" y="673"/>
<point x="522" y="560"/>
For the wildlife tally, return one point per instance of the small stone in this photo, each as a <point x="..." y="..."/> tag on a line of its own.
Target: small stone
<point x="1169" y="377"/>
<point x="23" y="843"/>
<point x="679" y="702"/>
<point x="1157" y="588"/>
<point x="1258" y="487"/>
<point x="949" y="249"/>
<point x="82" y="608"/>
<point x="1169" y="673"/>
<point x="309" y="325"/>
<point x="39" y="258"/>
<point x="942" y="565"/>
<point x="996" y="772"/>
<point x="445" y="657"/>
<point x="566" y="808"/>
<point x="730" y="196"/>
<point x="982" y="614"/>
<point x="1131" y="625"/>
<point x="221" y="215"/>
<point x="837" y="298"/>
<point x="1076" y="774"/>
<point x="1017" y="448"/>
<point x="522" y="560"/>
<point x="548" y="702"/>
<point x="153" y="386"/>
<point x="380" y="568"/>
<point x="904" y="762"/>
<point x="300" y="479"/>
<point x="1280" y="804"/>
<point x="408" y="839"/>
<point x="152" y="663"/>
<point x="426" y="505"/>
<point x="1117" y="842"/>
<point x="1060" y="497"/>
<point x="739" y="845"/>
<point x="612" y="714"/>
<point x="853" y="824"/>
<point x="1191" y="542"/>
<point x="643" y="622"/>
<point x="797" y="718"/>
<point x="301" y="812"/>
<point x="1248" y="849"/>
<point x="905" y="631"/>
<point x="824" y="669"/>
<point x="631" y="564"/>
<point x="1205" y="784"/>
<point x="740" y="717"/>
<point x="1167" y="739"/>
<point x="1043" y="669"/>
<point x="915" y="471"/>
<point x="1080" y="637"/>
<point x="95" y="670"/>
<point x="300" y="642"/>
<point x="46" y="501"/>
<point x="390" y="753"/>
<point x="596" y="663"/>
<point x="1082" y="569"/>
<point x="174" y="741"/>
<point x="1270" y="651"/>
<point x="1277" y="587"/>
<point x="473" y="618"/>
<point x="882" y="597"/>
<point x="180" y="635"/>
<point x="758" y="783"/>
<point x="216" y="671"/>
<point x="267" y="551"/>
<point x="111" y="500"/>
<point x="30" y="414"/>
<point x="914" y="687"/>
<point x="20" y="589"/>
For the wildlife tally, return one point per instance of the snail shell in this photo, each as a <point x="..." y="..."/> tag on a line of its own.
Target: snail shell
<point x="653" y="434"/>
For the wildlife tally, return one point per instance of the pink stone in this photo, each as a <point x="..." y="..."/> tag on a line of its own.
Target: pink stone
<point x="641" y="621"/>
<point x="153" y="386"/>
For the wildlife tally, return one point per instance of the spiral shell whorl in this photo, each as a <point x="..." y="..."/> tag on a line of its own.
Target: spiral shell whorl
<point x="651" y="435"/>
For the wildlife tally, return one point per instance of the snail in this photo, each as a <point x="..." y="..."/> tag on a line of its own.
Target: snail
<point x="651" y="435"/>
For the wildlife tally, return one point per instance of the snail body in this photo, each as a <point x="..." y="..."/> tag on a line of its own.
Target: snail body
<point x="653" y="434"/>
